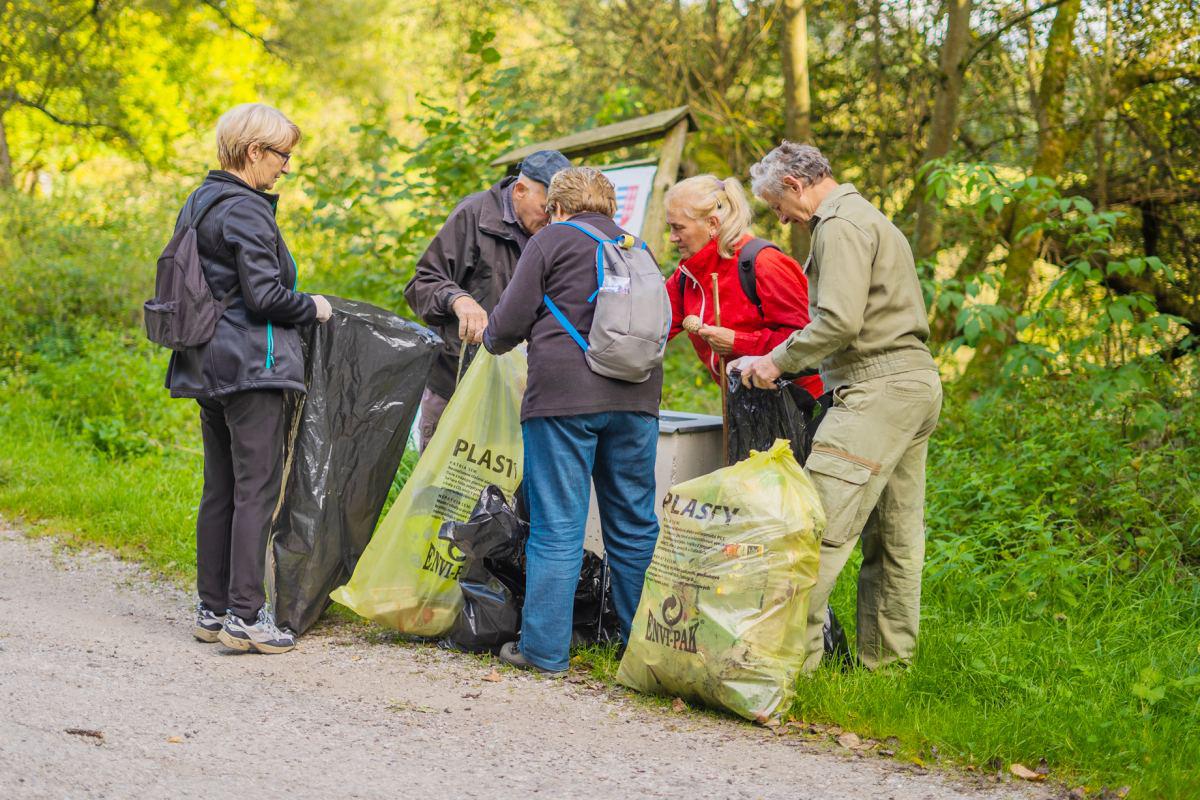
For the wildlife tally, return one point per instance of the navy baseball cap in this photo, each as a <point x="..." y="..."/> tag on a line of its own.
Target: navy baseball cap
<point x="543" y="165"/>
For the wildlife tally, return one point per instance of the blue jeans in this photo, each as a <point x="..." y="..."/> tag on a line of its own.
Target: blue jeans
<point x="616" y="450"/>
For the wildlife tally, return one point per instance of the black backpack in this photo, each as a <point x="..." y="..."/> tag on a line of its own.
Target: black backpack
<point x="746" y="277"/>
<point x="183" y="312"/>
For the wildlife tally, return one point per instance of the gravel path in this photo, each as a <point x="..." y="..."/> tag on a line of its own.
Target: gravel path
<point x="92" y="645"/>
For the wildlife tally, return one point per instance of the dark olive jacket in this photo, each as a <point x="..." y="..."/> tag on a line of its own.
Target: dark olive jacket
<point x="473" y="254"/>
<point x="256" y="344"/>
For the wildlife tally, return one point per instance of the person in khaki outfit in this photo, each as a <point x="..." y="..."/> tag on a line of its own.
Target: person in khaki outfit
<point x="867" y="334"/>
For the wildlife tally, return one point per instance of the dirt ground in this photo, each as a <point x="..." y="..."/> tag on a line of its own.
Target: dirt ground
<point x="104" y="694"/>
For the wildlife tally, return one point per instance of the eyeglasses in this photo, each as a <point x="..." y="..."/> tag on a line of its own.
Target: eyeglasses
<point x="285" y="156"/>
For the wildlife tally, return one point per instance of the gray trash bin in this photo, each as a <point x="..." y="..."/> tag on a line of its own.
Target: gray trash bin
<point x="689" y="445"/>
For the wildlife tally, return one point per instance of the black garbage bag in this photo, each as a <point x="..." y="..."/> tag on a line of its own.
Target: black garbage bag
<point x="492" y="542"/>
<point x="757" y="417"/>
<point x="595" y="620"/>
<point x="836" y="645"/>
<point x="365" y="370"/>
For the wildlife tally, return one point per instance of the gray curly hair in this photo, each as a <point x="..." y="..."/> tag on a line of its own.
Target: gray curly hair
<point x="801" y="161"/>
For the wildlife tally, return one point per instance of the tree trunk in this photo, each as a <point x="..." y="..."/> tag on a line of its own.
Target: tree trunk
<point x="1053" y="143"/>
<point x="797" y="102"/>
<point x="6" y="173"/>
<point x="944" y="123"/>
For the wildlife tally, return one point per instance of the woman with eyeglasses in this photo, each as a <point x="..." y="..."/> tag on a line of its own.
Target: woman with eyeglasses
<point x="239" y="377"/>
<point x="709" y="221"/>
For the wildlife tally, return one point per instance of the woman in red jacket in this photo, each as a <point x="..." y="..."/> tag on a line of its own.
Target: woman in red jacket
<point x="710" y="224"/>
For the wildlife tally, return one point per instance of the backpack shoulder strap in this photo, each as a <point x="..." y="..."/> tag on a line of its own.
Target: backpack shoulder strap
<point x="197" y="216"/>
<point x="588" y="229"/>
<point x="746" y="274"/>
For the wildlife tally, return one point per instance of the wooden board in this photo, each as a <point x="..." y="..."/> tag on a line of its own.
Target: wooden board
<point x="607" y="137"/>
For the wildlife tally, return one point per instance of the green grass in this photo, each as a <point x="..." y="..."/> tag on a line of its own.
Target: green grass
<point x="141" y="507"/>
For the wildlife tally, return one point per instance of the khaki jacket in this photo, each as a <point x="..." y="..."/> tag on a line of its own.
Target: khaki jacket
<point x="868" y="312"/>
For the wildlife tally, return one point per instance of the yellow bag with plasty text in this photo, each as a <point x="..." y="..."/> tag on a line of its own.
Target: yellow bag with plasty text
<point x="723" y="608"/>
<point x="407" y="578"/>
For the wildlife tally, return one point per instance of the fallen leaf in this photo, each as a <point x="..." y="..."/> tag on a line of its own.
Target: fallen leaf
<point x="1123" y="792"/>
<point x="678" y="706"/>
<point x="473" y="695"/>
<point x="849" y="741"/>
<point x="1025" y="773"/>
<point x="174" y="740"/>
<point x="493" y="677"/>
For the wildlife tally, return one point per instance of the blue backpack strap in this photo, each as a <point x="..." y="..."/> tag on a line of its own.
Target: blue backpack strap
<point x="597" y="237"/>
<point x="562" y="320"/>
<point x="591" y="232"/>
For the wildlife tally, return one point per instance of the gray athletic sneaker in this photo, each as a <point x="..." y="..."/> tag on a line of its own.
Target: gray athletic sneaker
<point x="208" y="623"/>
<point x="511" y="654"/>
<point x="263" y="636"/>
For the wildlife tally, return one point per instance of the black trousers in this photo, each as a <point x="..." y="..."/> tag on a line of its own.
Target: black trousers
<point x="243" y="474"/>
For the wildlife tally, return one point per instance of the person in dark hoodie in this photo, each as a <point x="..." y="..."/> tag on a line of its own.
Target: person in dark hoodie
<point x="239" y="376"/>
<point x="578" y="427"/>
<point x="466" y="267"/>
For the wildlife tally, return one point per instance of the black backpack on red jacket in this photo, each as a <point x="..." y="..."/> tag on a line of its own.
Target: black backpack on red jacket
<point x="746" y="275"/>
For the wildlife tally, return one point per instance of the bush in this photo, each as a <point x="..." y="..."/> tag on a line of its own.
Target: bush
<point x="61" y="269"/>
<point x="109" y="392"/>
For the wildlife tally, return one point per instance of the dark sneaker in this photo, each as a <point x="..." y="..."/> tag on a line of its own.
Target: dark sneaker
<point x="262" y="636"/>
<point x="510" y="654"/>
<point x="208" y="623"/>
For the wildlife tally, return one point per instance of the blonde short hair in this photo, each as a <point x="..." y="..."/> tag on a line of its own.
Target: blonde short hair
<point x="252" y="123"/>
<point x="707" y="196"/>
<point x="578" y="189"/>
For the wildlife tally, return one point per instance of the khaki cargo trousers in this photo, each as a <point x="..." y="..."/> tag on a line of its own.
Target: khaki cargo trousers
<point x="868" y="464"/>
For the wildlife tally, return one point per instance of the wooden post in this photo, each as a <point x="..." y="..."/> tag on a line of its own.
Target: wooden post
<point x="654" y="227"/>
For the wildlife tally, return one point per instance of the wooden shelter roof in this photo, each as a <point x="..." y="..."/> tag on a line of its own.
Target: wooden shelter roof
<point x="607" y="137"/>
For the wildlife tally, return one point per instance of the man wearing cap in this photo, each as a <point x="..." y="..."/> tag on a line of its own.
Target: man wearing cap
<point x="468" y="264"/>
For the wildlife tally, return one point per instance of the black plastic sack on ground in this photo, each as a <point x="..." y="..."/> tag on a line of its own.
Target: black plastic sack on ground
<point x="492" y="537"/>
<point x="365" y="370"/>
<point x="492" y="542"/>
<point x="595" y="620"/>
<point x="836" y="645"/>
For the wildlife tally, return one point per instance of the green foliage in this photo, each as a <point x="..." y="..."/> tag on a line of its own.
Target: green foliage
<point x="109" y="392"/>
<point x="388" y="199"/>
<point x="52" y="282"/>
<point x="1076" y="322"/>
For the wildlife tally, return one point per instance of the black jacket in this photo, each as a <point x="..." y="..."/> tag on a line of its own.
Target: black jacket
<point x="256" y="344"/>
<point x="474" y="253"/>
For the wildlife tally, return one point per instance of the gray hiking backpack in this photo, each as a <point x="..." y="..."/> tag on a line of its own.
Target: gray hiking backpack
<point x="183" y="312"/>
<point x="633" y="312"/>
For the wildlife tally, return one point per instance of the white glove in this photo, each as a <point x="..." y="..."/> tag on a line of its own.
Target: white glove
<point x="324" y="310"/>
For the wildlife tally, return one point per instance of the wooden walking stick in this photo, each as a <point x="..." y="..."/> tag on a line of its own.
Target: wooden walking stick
<point x="724" y="379"/>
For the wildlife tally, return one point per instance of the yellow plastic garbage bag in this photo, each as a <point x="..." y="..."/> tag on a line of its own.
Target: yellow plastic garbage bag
<point x="407" y="578"/>
<point x="723" y="608"/>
